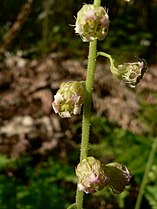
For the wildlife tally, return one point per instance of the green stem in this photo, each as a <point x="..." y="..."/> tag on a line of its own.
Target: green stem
<point x="87" y="111"/>
<point x="105" y="55"/>
<point x="147" y="169"/>
<point x="73" y="206"/>
<point x="113" y="69"/>
<point x="88" y="100"/>
<point x="87" y="107"/>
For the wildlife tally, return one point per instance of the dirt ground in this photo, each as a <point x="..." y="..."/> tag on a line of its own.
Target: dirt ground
<point x="27" y="87"/>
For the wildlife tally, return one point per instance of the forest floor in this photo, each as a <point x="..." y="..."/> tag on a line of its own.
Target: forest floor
<point x="27" y="87"/>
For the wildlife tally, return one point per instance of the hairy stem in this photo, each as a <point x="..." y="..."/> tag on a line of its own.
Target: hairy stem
<point x="87" y="111"/>
<point x="87" y="108"/>
<point x="147" y="169"/>
<point x="87" y="104"/>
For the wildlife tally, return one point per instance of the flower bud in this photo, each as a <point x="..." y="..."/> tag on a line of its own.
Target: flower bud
<point x="92" y="22"/>
<point x="131" y="72"/>
<point x="118" y="175"/>
<point x="91" y="176"/>
<point x="69" y="98"/>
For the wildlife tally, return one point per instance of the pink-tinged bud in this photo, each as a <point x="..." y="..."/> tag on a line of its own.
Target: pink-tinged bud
<point x="91" y="176"/>
<point x="118" y="176"/>
<point x="69" y="98"/>
<point x="92" y="22"/>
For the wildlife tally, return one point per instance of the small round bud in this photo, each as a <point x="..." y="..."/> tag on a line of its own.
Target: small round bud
<point x="91" y="175"/>
<point x="92" y="22"/>
<point x="118" y="175"/>
<point x="69" y="98"/>
<point x="130" y="70"/>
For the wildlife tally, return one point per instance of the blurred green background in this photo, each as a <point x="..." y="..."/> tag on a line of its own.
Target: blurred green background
<point x="35" y="181"/>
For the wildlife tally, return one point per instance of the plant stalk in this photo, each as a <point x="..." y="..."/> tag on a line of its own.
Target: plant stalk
<point x="87" y="108"/>
<point x="87" y="111"/>
<point x="147" y="169"/>
<point x="88" y="100"/>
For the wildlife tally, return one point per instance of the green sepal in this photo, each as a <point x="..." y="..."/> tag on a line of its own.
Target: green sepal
<point x="118" y="176"/>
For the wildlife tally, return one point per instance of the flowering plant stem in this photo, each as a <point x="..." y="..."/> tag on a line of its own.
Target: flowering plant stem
<point x="87" y="108"/>
<point x="147" y="169"/>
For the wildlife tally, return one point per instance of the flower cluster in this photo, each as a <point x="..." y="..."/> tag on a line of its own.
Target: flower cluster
<point x="92" y="23"/>
<point x="69" y="98"/>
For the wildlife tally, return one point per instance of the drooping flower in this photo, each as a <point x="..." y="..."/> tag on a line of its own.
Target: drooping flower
<point x="129" y="69"/>
<point x="118" y="176"/>
<point x="92" y="22"/>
